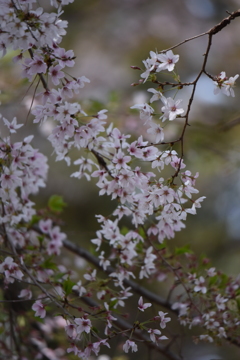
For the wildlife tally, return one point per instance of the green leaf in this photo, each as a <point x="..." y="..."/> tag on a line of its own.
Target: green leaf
<point x="224" y="280"/>
<point x="95" y="329"/>
<point x="183" y="250"/>
<point x="112" y="303"/>
<point x="58" y="276"/>
<point x="67" y="286"/>
<point x="34" y="220"/>
<point x="49" y="264"/>
<point x="160" y="246"/>
<point x="56" y="203"/>
<point x="238" y="303"/>
<point x="96" y="106"/>
<point x="124" y="230"/>
<point x="142" y="232"/>
<point x="139" y="247"/>
<point x="40" y="239"/>
<point x="212" y="280"/>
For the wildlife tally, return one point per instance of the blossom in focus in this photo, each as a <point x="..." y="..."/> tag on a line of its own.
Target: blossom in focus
<point x="170" y="109"/>
<point x="168" y="61"/>
<point x="224" y="84"/>
<point x="150" y="64"/>
<point x="156" y="130"/>
<point x="146" y="111"/>
<point x="156" y="95"/>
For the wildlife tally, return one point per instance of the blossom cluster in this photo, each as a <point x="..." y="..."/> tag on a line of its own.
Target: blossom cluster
<point x="130" y="170"/>
<point x="218" y="319"/>
<point x="23" y="172"/>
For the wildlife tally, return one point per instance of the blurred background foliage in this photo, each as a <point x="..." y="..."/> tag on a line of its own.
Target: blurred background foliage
<point x="108" y="36"/>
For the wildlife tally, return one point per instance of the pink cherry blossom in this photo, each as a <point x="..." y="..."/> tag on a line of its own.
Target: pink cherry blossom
<point x="141" y="305"/>
<point x="39" y="309"/>
<point x="163" y="319"/>
<point x="130" y="345"/>
<point x="56" y="74"/>
<point x="12" y="126"/>
<point x="83" y="325"/>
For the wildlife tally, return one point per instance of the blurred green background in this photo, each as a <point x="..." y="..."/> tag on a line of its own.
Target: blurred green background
<point x="108" y="36"/>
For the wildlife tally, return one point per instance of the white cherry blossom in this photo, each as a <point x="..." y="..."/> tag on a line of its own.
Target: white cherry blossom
<point x="130" y="345"/>
<point x="143" y="306"/>
<point x="170" y="109"/>
<point x="224" y="84"/>
<point x="168" y="61"/>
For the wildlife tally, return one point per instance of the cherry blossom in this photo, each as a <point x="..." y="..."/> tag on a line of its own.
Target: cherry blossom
<point x="200" y="285"/>
<point x="224" y="84"/>
<point x="130" y="345"/>
<point x="83" y="325"/>
<point x="163" y="319"/>
<point x="168" y="61"/>
<point x="12" y="126"/>
<point x="146" y="111"/>
<point x="71" y="330"/>
<point x="25" y="293"/>
<point x="10" y="270"/>
<point x="74" y="349"/>
<point x="91" y="276"/>
<point x="79" y="288"/>
<point x="103" y="261"/>
<point x="56" y="74"/>
<point x="170" y="109"/>
<point x="39" y="309"/>
<point x="141" y="305"/>
<point x="211" y="272"/>
<point x="153" y="333"/>
<point x="156" y="95"/>
<point x="220" y="301"/>
<point x="156" y="130"/>
<point x="155" y="207"/>
<point x="150" y="64"/>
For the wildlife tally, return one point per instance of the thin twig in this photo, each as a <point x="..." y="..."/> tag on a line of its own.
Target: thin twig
<point x="151" y="296"/>
<point x="124" y="325"/>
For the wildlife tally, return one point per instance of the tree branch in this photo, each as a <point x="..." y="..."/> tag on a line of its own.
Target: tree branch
<point x="124" y="325"/>
<point x="135" y="287"/>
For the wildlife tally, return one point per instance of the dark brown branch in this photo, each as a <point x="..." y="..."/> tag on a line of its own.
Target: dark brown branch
<point x="149" y="295"/>
<point x="124" y="325"/>
<point x="190" y="103"/>
<point x="224" y="23"/>
<point x="214" y="30"/>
